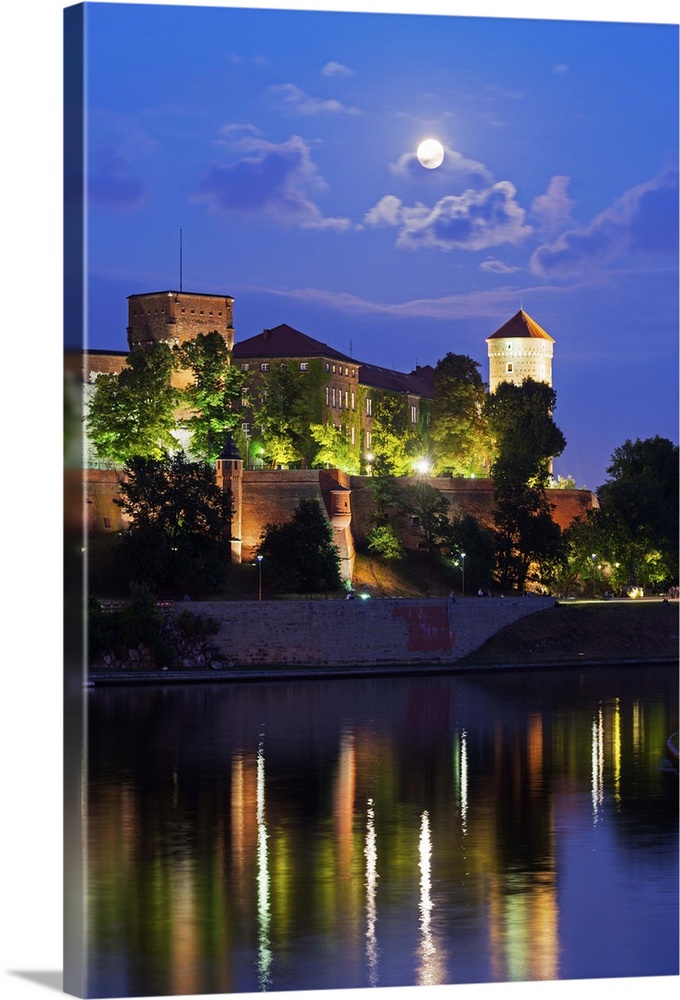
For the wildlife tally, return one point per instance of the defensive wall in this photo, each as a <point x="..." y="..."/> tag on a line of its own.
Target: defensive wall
<point x="374" y="632"/>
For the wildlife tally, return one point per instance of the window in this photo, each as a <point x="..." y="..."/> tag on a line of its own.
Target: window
<point x="353" y="399"/>
<point x="334" y="369"/>
<point x="369" y="408"/>
<point x="352" y="434"/>
<point x="246" y="429"/>
<point x="327" y="366"/>
<point x="245" y="367"/>
<point x="353" y="373"/>
<point x="328" y="395"/>
<point x="368" y="440"/>
<point x="340" y="398"/>
<point x="346" y="399"/>
<point x="414" y="414"/>
<point x="346" y="371"/>
<point x="304" y="366"/>
<point x="509" y="346"/>
<point x="334" y="396"/>
<point x="264" y="367"/>
<point x="508" y="368"/>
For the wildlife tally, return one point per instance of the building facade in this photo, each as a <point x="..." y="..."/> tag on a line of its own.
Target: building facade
<point x="518" y="350"/>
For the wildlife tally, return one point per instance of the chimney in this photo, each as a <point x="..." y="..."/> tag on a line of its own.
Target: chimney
<point x="265" y="334"/>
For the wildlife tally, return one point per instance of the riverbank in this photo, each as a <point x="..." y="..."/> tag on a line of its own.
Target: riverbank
<point x="565" y="635"/>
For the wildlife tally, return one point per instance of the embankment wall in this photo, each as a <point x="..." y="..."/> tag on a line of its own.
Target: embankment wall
<point x="360" y="633"/>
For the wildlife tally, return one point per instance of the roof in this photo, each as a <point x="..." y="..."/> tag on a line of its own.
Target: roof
<point x="521" y="325"/>
<point x="284" y="342"/>
<point x="418" y="383"/>
<point x="174" y="293"/>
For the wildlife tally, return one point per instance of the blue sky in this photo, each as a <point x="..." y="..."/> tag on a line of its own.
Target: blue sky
<point x="282" y="144"/>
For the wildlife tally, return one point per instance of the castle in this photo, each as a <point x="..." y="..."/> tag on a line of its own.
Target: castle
<point x="347" y="392"/>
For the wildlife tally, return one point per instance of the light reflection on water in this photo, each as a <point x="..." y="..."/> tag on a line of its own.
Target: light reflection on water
<point x="389" y="832"/>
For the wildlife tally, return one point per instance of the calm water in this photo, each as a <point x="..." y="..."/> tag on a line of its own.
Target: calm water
<point x="394" y="832"/>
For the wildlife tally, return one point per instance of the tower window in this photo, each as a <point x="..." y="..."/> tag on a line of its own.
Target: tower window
<point x="264" y="367"/>
<point x="508" y="368"/>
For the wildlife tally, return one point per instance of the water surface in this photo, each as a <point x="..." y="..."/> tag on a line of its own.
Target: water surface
<point x="382" y="832"/>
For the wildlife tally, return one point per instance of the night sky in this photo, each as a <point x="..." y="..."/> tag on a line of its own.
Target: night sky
<point x="282" y="145"/>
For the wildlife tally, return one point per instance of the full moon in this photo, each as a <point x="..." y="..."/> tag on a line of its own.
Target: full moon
<point x="430" y="153"/>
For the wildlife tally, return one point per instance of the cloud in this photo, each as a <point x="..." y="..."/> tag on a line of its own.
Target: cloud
<point x="493" y="266"/>
<point x="455" y="167"/>
<point x="336" y="69"/>
<point x="110" y="185"/>
<point x="473" y="220"/>
<point x="553" y="209"/>
<point x="290" y="95"/>
<point x="560" y="69"/>
<point x="276" y="181"/>
<point x="117" y="144"/>
<point x="643" y="221"/>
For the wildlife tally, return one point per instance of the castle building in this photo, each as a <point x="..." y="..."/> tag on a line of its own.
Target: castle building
<point x="348" y="389"/>
<point x="171" y="317"/>
<point x="518" y="350"/>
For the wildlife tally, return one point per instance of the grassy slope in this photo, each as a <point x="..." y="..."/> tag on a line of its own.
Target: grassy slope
<point x="620" y="630"/>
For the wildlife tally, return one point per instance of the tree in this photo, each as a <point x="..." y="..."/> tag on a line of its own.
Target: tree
<point x="638" y="514"/>
<point x="467" y="535"/>
<point x="430" y="512"/>
<point x="335" y="448"/>
<point x="526" y="439"/>
<point x="132" y="414"/>
<point x="394" y="440"/>
<point x="214" y="396"/>
<point x="460" y="432"/>
<point x="300" y="554"/>
<point x="525" y="435"/>
<point x="180" y="523"/>
<point x="282" y="415"/>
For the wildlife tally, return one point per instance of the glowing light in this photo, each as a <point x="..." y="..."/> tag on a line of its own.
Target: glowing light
<point x="430" y="153"/>
<point x="423" y="467"/>
<point x="597" y="766"/>
<point x="463" y="782"/>
<point x="371" y="855"/>
<point x="264" y="959"/>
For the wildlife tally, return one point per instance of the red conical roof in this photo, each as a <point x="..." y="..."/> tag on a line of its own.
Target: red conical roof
<point x="521" y="325"/>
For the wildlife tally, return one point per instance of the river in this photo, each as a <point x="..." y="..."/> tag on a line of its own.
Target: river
<point x="326" y="834"/>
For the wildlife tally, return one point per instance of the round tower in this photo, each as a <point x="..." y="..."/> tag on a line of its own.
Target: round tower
<point x="518" y="350"/>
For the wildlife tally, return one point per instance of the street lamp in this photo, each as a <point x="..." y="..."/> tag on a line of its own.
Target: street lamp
<point x="594" y="558"/>
<point x="259" y="578"/>
<point x="462" y="570"/>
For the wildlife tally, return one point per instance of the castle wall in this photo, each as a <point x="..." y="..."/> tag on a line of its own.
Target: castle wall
<point x="173" y="317"/>
<point x="356" y="633"/>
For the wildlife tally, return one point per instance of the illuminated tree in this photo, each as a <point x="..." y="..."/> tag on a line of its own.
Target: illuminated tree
<point x="214" y="396"/>
<point x="460" y="432"/>
<point x="335" y="448"/>
<point x="132" y="414"/>
<point x="281" y="415"/>
<point x="394" y="439"/>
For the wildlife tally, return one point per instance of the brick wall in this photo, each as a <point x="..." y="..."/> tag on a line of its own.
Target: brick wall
<point x="355" y="633"/>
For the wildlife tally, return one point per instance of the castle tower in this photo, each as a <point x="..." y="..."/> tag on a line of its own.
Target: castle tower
<point x="229" y="476"/>
<point x="518" y="350"/>
<point x="174" y="317"/>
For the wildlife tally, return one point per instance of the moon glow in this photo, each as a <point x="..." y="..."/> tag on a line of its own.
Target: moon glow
<point x="430" y="153"/>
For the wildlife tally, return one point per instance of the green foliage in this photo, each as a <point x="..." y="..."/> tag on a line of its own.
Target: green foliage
<point x="132" y="414"/>
<point x="430" y="509"/>
<point x="394" y="439"/>
<point x="526" y="535"/>
<point x="282" y="415"/>
<point x="525" y="434"/>
<point x="180" y="524"/>
<point x="214" y="396"/>
<point x="382" y="541"/>
<point x="335" y="448"/>
<point x="460" y="432"/>
<point x="638" y="518"/>
<point x="299" y="555"/>
<point x="467" y="535"/>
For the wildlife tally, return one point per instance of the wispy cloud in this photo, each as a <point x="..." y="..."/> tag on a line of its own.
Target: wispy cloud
<point x="455" y="168"/>
<point x="275" y="180"/>
<point x="336" y="69"/>
<point x="494" y="266"/>
<point x="643" y="221"/>
<point x="553" y="209"/>
<point x="290" y="96"/>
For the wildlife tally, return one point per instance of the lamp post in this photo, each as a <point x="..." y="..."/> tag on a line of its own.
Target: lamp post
<point x="594" y="558"/>
<point x="259" y="578"/>
<point x="462" y="571"/>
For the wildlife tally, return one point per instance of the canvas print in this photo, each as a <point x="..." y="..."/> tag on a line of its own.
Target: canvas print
<point x="371" y="492"/>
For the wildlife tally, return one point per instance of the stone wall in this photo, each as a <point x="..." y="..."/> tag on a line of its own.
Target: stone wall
<point x="360" y="633"/>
